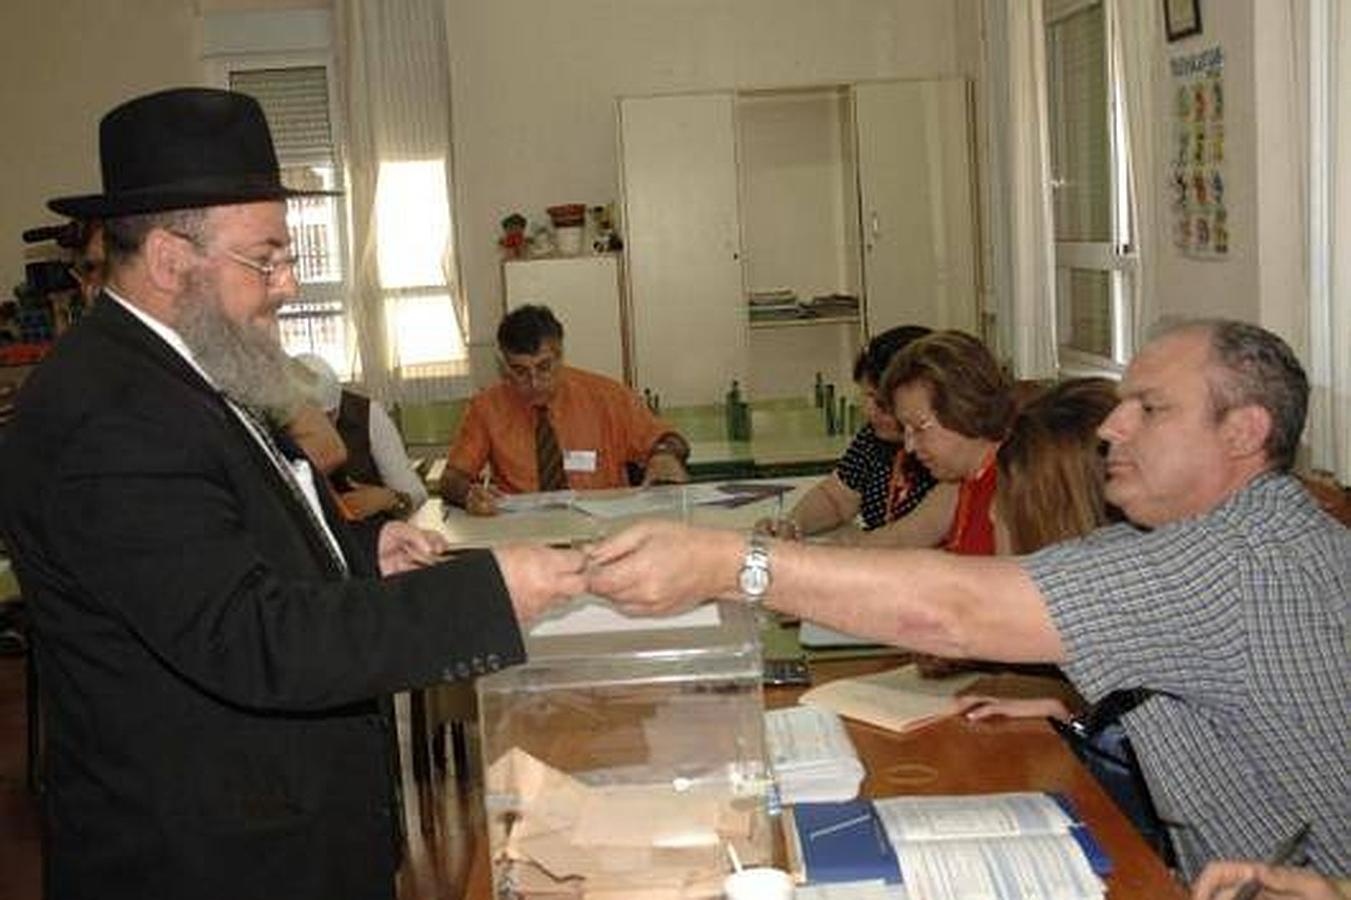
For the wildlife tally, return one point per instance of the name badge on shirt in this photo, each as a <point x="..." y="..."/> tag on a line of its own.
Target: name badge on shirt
<point x="579" y="461"/>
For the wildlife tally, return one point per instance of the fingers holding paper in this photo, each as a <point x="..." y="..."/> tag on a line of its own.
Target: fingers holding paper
<point x="659" y="568"/>
<point x="539" y="578"/>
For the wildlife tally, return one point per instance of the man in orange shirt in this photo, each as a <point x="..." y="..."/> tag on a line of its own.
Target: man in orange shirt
<point x="546" y="426"/>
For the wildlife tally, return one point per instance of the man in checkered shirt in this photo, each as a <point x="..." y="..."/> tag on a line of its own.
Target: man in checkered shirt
<point x="1228" y="597"/>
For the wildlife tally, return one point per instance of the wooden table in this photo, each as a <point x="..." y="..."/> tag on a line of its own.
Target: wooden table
<point x="954" y="756"/>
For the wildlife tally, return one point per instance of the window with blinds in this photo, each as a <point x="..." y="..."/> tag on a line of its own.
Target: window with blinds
<point x="1090" y="209"/>
<point x="295" y="101"/>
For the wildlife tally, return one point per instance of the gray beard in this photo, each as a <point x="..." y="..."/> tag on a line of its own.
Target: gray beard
<point x="246" y="363"/>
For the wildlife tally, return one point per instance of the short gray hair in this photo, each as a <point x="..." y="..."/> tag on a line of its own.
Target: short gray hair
<point x="124" y="236"/>
<point x="1256" y="368"/>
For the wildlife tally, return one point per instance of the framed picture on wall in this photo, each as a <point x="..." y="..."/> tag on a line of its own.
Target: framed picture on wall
<point x="1181" y="18"/>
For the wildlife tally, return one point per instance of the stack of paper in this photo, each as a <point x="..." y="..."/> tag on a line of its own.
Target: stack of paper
<point x="811" y="755"/>
<point x="897" y="699"/>
<point x="1024" y="846"/>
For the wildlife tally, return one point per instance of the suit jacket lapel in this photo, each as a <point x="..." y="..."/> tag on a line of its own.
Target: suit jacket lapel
<point x="114" y="320"/>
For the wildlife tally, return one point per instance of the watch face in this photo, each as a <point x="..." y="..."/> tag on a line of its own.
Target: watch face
<point x="754" y="580"/>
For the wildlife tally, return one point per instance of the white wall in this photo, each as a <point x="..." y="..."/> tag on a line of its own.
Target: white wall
<point x="1229" y="287"/>
<point x="63" y="66"/>
<point x="1264" y="280"/>
<point x="534" y="81"/>
<point x="66" y="63"/>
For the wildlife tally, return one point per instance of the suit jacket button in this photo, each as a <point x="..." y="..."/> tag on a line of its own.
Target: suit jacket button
<point x="462" y="669"/>
<point x="494" y="662"/>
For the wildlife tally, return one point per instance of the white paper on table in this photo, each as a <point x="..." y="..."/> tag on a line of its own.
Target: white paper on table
<point x="530" y="502"/>
<point x="975" y="815"/>
<point x="851" y="890"/>
<point x="653" y="501"/>
<point x="589" y="614"/>
<point x="896" y="699"/>
<point x="811" y="755"/>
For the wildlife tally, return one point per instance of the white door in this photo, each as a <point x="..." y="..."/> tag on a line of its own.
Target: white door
<point x="583" y="293"/>
<point x="915" y="204"/>
<point x="678" y="160"/>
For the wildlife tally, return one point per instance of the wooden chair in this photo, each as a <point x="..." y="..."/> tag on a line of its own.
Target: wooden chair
<point x="1330" y="495"/>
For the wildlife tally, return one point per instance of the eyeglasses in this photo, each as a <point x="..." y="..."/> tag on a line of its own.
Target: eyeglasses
<point x="528" y="373"/>
<point x="918" y="427"/>
<point x="274" y="272"/>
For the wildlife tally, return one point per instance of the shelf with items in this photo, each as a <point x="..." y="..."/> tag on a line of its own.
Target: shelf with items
<point x="803" y="320"/>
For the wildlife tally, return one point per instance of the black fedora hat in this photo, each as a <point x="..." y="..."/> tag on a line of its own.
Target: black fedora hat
<point x="182" y="148"/>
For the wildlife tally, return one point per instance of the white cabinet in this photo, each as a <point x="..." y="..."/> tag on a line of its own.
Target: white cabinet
<point x="915" y="200"/>
<point x="862" y="190"/>
<point x="584" y="293"/>
<point x="683" y="245"/>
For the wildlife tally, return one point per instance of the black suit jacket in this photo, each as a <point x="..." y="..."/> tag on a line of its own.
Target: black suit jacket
<point x="209" y="677"/>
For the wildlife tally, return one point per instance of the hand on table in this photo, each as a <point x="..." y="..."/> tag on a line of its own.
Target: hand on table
<point x="403" y="547"/>
<point x="658" y="568"/>
<point x="539" y="577"/>
<point x="784" y="528"/>
<point x="664" y="468"/>
<point x="978" y="706"/>
<point x="481" y="500"/>
<point x="1223" y="879"/>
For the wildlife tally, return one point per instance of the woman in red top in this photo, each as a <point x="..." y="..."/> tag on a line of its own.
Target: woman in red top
<point x="956" y="406"/>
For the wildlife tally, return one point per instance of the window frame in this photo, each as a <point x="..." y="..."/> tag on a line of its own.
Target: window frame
<point x="219" y="67"/>
<point x="1115" y="256"/>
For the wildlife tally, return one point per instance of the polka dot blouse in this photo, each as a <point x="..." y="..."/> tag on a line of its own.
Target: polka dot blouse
<point x="866" y="469"/>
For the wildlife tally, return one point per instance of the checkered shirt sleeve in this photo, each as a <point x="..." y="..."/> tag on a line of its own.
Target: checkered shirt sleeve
<point x="1240" y="617"/>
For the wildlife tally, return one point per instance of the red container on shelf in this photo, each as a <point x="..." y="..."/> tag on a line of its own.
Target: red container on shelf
<point x="567" y="215"/>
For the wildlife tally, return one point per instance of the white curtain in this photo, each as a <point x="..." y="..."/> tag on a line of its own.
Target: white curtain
<point x="1140" y="57"/>
<point x="395" y="94"/>
<point x="1021" y="181"/>
<point x="1329" y="431"/>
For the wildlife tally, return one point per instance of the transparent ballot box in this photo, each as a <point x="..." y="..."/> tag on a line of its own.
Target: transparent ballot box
<point x="626" y="756"/>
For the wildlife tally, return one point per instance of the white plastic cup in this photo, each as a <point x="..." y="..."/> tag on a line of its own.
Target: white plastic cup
<point x="569" y="240"/>
<point x="758" y="884"/>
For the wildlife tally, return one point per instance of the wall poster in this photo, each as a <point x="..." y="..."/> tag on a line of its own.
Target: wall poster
<point x="1196" y="176"/>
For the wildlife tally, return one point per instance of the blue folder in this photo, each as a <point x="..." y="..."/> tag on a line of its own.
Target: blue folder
<point x="844" y="842"/>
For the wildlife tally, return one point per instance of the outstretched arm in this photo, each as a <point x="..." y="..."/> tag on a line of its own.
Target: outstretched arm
<point x="939" y="603"/>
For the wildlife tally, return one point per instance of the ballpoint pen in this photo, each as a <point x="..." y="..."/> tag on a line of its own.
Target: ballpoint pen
<point x="1284" y="852"/>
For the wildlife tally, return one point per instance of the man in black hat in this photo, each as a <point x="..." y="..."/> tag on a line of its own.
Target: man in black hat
<point x="211" y="638"/>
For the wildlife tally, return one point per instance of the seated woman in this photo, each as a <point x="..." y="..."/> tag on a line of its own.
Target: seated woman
<point x="876" y="482"/>
<point x="955" y="405"/>
<point x="1051" y="478"/>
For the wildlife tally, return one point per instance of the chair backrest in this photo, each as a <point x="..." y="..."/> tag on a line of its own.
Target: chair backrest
<point x="430" y="424"/>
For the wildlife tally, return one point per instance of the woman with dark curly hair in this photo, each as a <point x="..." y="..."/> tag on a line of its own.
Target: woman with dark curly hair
<point x="876" y="483"/>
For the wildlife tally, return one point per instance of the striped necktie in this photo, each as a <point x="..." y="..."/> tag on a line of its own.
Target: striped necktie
<point x="263" y="432"/>
<point x="548" y="456"/>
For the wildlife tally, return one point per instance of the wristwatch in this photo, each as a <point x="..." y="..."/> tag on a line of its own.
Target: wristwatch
<point x="754" y="576"/>
<point x="403" y="505"/>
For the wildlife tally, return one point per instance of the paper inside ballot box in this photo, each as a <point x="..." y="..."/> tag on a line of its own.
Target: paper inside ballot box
<point x="896" y="699"/>
<point x="601" y="836"/>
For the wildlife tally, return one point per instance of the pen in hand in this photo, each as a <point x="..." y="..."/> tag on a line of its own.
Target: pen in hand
<point x="1285" y="851"/>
